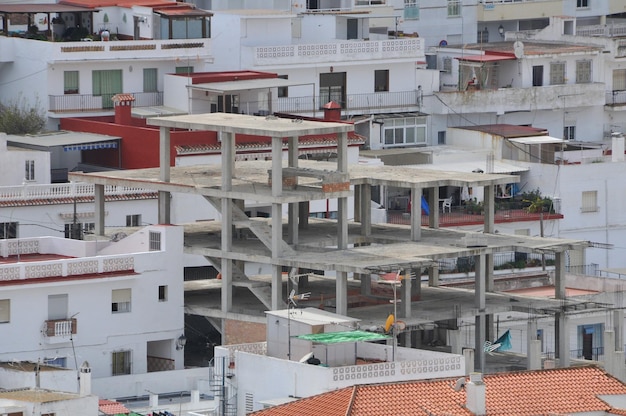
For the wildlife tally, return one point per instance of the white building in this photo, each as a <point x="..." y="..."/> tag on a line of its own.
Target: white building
<point x="117" y="305"/>
<point x="255" y="376"/>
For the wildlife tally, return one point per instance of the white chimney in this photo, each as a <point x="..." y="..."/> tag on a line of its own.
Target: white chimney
<point x="154" y="401"/>
<point x="84" y="381"/>
<point x="475" y="395"/>
<point x="617" y="147"/>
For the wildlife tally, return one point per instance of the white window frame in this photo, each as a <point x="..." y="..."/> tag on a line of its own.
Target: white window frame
<point x="411" y="10"/>
<point x="569" y="132"/>
<point x="583" y="71"/>
<point x="454" y="8"/>
<point x="133" y="220"/>
<point x="121" y="300"/>
<point x="5" y="311"/>
<point x="589" y="201"/>
<point x="8" y="230"/>
<point x="29" y="170"/>
<point x="121" y="362"/>
<point x="582" y="4"/>
<point x="557" y="73"/>
<point x="398" y="129"/>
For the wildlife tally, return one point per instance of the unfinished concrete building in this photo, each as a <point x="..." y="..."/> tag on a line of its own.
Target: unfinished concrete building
<point x="346" y="250"/>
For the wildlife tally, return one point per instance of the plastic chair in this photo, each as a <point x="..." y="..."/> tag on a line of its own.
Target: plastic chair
<point x="447" y="203"/>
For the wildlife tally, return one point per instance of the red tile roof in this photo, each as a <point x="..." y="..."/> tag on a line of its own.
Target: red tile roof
<point x="526" y="393"/>
<point x="109" y="407"/>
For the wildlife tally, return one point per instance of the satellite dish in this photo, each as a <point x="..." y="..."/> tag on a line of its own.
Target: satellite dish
<point x="518" y="49"/>
<point x="306" y="357"/>
<point x="460" y="383"/>
<point x="390" y="320"/>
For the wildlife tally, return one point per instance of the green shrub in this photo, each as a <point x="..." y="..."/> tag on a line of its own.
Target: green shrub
<point x="17" y="118"/>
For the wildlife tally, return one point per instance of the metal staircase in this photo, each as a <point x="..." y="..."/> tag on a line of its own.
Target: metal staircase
<point x="222" y="386"/>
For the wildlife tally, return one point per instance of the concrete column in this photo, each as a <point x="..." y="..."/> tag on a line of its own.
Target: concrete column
<point x="618" y="327"/>
<point x="489" y="206"/>
<point x="416" y="338"/>
<point x="563" y="339"/>
<point x="164" y="174"/>
<point x="99" y="209"/>
<point x="433" y="276"/>
<point x="416" y="214"/>
<point x="533" y="347"/>
<point x="609" y="351"/>
<point x="480" y="320"/>
<point x="342" y="223"/>
<point x="366" y="284"/>
<point x="454" y="339"/>
<point x="433" y="206"/>
<point x="277" y="221"/>
<point x="277" y="287"/>
<point x="228" y="166"/>
<point x="416" y="285"/>
<point x="341" y="300"/>
<point x="405" y="296"/>
<point x="365" y="202"/>
<point x="292" y="227"/>
<point x="489" y="276"/>
<point x="405" y="339"/>
<point x="303" y="215"/>
<point x="559" y="275"/>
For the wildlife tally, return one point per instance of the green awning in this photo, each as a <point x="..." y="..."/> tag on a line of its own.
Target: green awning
<point x="348" y="336"/>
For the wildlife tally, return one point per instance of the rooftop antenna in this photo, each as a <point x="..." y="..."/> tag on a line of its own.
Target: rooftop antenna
<point x="292" y="303"/>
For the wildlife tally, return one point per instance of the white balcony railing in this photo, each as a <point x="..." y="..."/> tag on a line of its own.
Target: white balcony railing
<point x="62" y="191"/>
<point x="349" y="50"/>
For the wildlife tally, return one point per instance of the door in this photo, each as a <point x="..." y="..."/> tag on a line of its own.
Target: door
<point x="537" y="76"/>
<point x="57" y="307"/>
<point x="333" y="88"/>
<point x="353" y="29"/>
<point x="587" y="345"/>
<point x="106" y="84"/>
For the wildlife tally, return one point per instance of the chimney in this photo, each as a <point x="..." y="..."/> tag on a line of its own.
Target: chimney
<point x="617" y="147"/>
<point x="332" y="111"/>
<point x="123" y="105"/>
<point x="84" y="380"/>
<point x="475" y="395"/>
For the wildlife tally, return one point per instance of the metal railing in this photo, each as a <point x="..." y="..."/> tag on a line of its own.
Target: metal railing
<point x="595" y="354"/>
<point x="371" y="101"/>
<point x="90" y="102"/>
<point x="615" y="97"/>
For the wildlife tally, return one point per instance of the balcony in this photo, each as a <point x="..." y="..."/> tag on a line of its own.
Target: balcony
<point x="23" y="194"/>
<point x="355" y="103"/>
<point x="59" y="330"/>
<point x="616" y="99"/>
<point x="498" y="10"/>
<point x="515" y="99"/>
<point x="94" y="103"/>
<point x="340" y="52"/>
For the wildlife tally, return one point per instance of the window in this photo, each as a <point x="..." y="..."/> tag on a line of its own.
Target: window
<point x="283" y="91"/>
<point x="150" y="80"/>
<point x="381" y="80"/>
<point x="446" y="64"/>
<point x="8" y="230"/>
<point x="441" y="137"/>
<point x="454" y="8"/>
<point x="77" y="231"/>
<point x="5" y="311"/>
<point x="589" y="201"/>
<point x="29" y="173"/>
<point x="155" y="241"/>
<point x="333" y="88"/>
<point x="619" y="79"/>
<point x="184" y="69"/>
<point x="411" y="9"/>
<point x="582" y="4"/>
<point x="56" y="362"/>
<point x="569" y="133"/>
<point x="120" y="363"/>
<point x="70" y="82"/>
<point x="405" y="131"/>
<point x="583" y="72"/>
<point x="120" y="300"/>
<point x="162" y="293"/>
<point x="537" y="76"/>
<point x="557" y="73"/>
<point x="133" y="220"/>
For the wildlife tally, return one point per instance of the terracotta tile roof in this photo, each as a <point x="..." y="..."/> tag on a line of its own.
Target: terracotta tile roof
<point x="110" y="407"/>
<point x="81" y="199"/>
<point x="557" y="392"/>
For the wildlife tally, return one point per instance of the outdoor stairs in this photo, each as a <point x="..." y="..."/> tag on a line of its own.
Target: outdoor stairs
<point x="224" y="391"/>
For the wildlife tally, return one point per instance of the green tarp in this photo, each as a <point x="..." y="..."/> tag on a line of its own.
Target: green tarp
<point x="348" y="336"/>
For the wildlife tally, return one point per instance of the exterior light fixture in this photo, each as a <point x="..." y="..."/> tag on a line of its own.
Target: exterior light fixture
<point x="181" y="342"/>
<point x="501" y="30"/>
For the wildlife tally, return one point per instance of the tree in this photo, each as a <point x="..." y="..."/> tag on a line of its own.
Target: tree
<point x="17" y="117"/>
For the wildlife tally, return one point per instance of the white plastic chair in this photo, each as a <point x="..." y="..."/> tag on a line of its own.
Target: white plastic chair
<point x="447" y="203"/>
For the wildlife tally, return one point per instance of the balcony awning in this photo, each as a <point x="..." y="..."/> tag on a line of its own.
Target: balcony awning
<point x="248" y="84"/>
<point x="535" y="140"/>
<point x="90" y="146"/>
<point x="488" y="57"/>
<point x="340" y="337"/>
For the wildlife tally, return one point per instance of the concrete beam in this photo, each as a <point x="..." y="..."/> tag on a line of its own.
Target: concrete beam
<point x="99" y="209"/>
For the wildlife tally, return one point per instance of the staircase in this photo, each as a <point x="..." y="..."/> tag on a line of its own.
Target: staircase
<point x="222" y="387"/>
